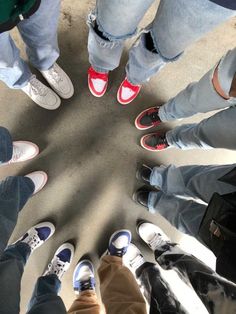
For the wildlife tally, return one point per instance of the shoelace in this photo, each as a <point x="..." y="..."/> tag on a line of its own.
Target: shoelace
<point x="54" y="75"/>
<point x="154" y="116"/>
<point x="156" y="241"/>
<point x="37" y="87"/>
<point x="120" y="252"/>
<point x="33" y="240"/>
<point x="97" y="75"/>
<point x="15" y="154"/>
<point x="135" y="263"/>
<point x="86" y="284"/>
<point x="161" y="141"/>
<point x="57" y="267"/>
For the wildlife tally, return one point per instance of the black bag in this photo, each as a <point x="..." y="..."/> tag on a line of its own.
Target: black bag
<point x="218" y="226"/>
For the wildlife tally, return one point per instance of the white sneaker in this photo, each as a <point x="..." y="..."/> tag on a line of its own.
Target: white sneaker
<point x="39" y="179"/>
<point x="22" y="151"/>
<point x="83" y="277"/>
<point x="37" y="235"/>
<point x="41" y="94"/>
<point x="61" y="260"/>
<point x="152" y="235"/>
<point x="133" y="257"/>
<point x="59" y="81"/>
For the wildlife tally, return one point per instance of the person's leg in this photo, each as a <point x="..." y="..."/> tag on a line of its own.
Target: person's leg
<point x="217" y="131"/>
<point x="204" y="95"/>
<point x="14" y="72"/>
<point x="176" y="26"/>
<point x="12" y="263"/>
<point x="119" y="289"/>
<point x="45" y="297"/>
<point x="6" y="147"/>
<point x="14" y="193"/>
<point x="110" y="24"/>
<point x="156" y="290"/>
<point x="216" y="293"/>
<point x="84" y="287"/>
<point x="190" y="181"/>
<point x="39" y="33"/>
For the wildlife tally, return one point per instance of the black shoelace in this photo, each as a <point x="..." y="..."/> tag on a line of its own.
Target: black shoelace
<point x="154" y="116"/>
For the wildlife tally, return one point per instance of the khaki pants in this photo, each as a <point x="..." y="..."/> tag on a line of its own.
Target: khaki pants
<point x="119" y="290"/>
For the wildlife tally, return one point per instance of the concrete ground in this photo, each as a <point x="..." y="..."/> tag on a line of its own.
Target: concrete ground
<point x="89" y="148"/>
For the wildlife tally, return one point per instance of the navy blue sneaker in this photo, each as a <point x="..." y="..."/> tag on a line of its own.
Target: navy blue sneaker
<point x="83" y="278"/>
<point x="119" y="243"/>
<point x="61" y="260"/>
<point x="37" y="235"/>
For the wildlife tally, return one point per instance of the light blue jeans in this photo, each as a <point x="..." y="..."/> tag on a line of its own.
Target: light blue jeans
<point x="39" y="33"/>
<point x="14" y="193"/>
<point x="219" y="130"/>
<point x="184" y="193"/>
<point x="176" y="26"/>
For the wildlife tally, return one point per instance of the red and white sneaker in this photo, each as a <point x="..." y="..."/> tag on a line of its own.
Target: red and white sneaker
<point x="148" y="118"/>
<point x="127" y="92"/>
<point x="39" y="179"/>
<point x="97" y="82"/>
<point x="154" y="142"/>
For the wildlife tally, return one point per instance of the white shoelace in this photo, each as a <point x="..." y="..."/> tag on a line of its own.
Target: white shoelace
<point x="16" y="154"/>
<point x="33" y="240"/>
<point x="54" y="75"/>
<point x="37" y="87"/>
<point x="156" y="241"/>
<point x="137" y="262"/>
<point x="57" y="267"/>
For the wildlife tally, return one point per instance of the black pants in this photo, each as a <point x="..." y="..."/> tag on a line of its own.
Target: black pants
<point x="217" y="294"/>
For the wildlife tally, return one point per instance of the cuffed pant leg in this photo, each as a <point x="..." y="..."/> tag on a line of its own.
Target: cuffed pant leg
<point x="86" y="303"/>
<point x="119" y="289"/>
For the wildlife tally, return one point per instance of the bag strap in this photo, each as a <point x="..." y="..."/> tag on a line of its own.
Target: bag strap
<point x="221" y="232"/>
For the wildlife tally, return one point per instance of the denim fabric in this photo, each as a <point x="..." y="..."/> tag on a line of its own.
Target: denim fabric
<point x="39" y="33"/>
<point x="217" y="131"/>
<point x="14" y="193"/>
<point x="183" y="197"/>
<point x="12" y="264"/>
<point x="6" y="147"/>
<point x="177" y="25"/>
<point x="45" y="297"/>
<point x="217" y="294"/>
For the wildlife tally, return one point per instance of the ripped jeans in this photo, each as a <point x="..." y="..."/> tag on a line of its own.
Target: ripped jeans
<point x="177" y="25"/>
<point x="219" y="130"/>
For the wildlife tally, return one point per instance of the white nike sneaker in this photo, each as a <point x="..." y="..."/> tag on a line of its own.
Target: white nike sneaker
<point x="59" y="81"/>
<point x="154" y="237"/>
<point x="37" y="235"/>
<point x="22" y="151"/>
<point x="41" y="94"/>
<point x="133" y="257"/>
<point x="39" y="179"/>
<point x="61" y="260"/>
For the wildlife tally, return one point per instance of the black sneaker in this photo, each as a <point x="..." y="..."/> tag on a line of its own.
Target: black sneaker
<point x="148" y="118"/>
<point x="143" y="173"/>
<point x="141" y="196"/>
<point x="154" y="142"/>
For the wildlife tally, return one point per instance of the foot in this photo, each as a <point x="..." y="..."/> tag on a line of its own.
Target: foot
<point x="119" y="242"/>
<point x="37" y="235"/>
<point x="39" y="179"/>
<point x="134" y="257"/>
<point x="61" y="261"/>
<point x="143" y="174"/>
<point x="22" y="151"/>
<point x="41" y="94"/>
<point x="154" y="142"/>
<point x="148" y="118"/>
<point x="97" y="82"/>
<point x="154" y="237"/>
<point x="127" y="92"/>
<point x="59" y="81"/>
<point x="83" y="278"/>
<point x="141" y="196"/>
